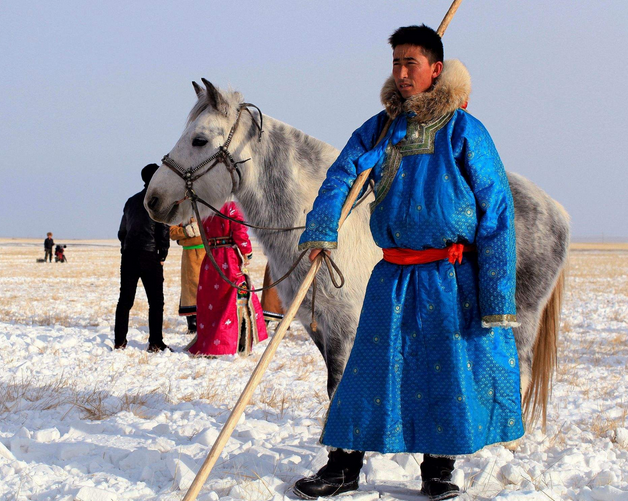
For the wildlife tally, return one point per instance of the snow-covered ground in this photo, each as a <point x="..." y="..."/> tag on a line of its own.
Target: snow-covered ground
<point x="80" y="421"/>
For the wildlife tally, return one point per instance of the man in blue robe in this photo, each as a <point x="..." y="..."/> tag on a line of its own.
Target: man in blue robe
<point x="434" y="366"/>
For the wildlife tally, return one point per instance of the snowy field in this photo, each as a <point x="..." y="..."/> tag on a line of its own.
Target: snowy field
<point x="80" y="421"/>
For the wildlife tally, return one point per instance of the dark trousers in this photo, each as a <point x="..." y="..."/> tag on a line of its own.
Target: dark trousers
<point x="48" y="255"/>
<point x="147" y="267"/>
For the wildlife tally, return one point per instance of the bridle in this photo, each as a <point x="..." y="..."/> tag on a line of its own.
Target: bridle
<point x="221" y="156"/>
<point x="224" y="156"/>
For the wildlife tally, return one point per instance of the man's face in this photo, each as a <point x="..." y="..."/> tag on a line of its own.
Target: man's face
<point x="412" y="71"/>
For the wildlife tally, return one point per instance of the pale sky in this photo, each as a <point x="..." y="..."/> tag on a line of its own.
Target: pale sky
<point x="91" y="92"/>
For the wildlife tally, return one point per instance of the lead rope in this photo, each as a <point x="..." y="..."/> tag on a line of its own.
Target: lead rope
<point x="314" y="323"/>
<point x="331" y="266"/>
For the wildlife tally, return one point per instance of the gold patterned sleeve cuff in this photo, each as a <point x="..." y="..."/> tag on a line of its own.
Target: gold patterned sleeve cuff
<point x="318" y="245"/>
<point x="500" y="321"/>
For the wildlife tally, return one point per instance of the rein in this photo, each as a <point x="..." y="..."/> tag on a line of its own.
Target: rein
<point x="331" y="266"/>
<point x="222" y="155"/>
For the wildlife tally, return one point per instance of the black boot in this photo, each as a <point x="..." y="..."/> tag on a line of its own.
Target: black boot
<point x="436" y="476"/>
<point x="157" y="347"/>
<point x="191" y="324"/>
<point x="120" y="346"/>
<point x="339" y="475"/>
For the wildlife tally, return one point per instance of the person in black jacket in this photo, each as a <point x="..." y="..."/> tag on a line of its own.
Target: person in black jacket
<point x="144" y="249"/>
<point x="49" y="243"/>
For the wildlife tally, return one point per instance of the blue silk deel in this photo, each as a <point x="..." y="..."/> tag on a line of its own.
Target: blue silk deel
<point x="434" y="367"/>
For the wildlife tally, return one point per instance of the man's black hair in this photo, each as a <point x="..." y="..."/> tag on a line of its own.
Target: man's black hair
<point x="147" y="173"/>
<point x="421" y="36"/>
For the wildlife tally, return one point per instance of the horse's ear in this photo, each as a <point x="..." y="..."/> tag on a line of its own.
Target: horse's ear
<point x="197" y="88"/>
<point x="215" y="97"/>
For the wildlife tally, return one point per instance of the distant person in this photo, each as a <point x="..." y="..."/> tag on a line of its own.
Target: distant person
<point x="49" y="244"/>
<point x="60" y="254"/>
<point x="144" y="249"/>
<point x="189" y="237"/>
<point x="229" y="320"/>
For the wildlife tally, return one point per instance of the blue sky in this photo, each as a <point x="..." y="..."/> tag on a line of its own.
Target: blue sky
<point x="92" y="91"/>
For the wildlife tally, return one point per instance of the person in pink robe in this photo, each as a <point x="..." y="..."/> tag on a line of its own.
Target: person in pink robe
<point x="229" y="321"/>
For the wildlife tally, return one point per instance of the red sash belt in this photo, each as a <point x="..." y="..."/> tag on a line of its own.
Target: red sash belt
<point x="409" y="256"/>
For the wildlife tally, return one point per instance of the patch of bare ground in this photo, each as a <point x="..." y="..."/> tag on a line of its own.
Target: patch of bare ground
<point x="601" y="246"/>
<point x="598" y="270"/>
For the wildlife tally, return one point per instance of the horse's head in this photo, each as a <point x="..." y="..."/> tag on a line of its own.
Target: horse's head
<point x="208" y="128"/>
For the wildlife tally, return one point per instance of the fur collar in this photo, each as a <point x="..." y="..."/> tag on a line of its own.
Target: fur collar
<point x="450" y="92"/>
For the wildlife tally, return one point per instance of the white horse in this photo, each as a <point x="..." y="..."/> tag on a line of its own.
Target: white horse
<point x="277" y="188"/>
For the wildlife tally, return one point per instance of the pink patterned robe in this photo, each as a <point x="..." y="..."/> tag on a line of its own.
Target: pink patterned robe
<point x="228" y="321"/>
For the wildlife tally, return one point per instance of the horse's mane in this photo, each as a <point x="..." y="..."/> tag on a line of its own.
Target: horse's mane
<point x="233" y="98"/>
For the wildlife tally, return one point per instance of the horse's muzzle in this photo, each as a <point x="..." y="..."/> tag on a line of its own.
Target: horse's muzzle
<point x="152" y="204"/>
<point x="158" y="212"/>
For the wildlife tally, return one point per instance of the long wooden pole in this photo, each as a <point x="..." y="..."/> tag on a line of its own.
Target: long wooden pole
<point x="262" y="365"/>
<point x="448" y="17"/>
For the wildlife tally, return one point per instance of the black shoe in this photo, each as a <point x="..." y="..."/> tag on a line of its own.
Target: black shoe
<point x="436" y="474"/>
<point x="191" y="319"/>
<point x="157" y="347"/>
<point x="339" y="475"/>
<point x="438" y="490"/>
<point x="120" y="346"/>
<point x="315" y="487"/>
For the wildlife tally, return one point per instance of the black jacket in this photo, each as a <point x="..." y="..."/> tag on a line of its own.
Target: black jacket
<point x="138" y="232"/>
<point x="49" y="243"/>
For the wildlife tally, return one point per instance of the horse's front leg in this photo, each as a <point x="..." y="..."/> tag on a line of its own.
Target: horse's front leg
<point x="339" y="337"/>
<point x="333" y="337"/>
<point x="336" y="363"/>
<point x="329" y="347"/>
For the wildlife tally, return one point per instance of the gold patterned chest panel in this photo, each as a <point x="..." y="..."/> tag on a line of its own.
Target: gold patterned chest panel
<point x="419" y="140"/>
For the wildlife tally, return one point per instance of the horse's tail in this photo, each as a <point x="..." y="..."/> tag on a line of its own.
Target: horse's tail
<point x="545" y="356"/>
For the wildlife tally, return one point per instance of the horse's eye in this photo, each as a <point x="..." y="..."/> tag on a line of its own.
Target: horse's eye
<point x="199" y="141"/>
